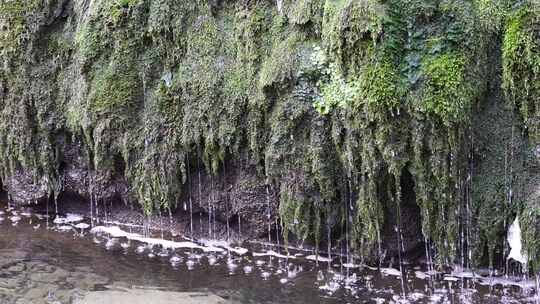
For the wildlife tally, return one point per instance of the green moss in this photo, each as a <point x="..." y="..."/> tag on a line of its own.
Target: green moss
<point x="162" y="81"/>
<point x="367" y="225"/>
<point x="381" y="87"/>
<point x="447" y="93"/>
<point x="347" y="25"/>
<point x="60" y="46"/>
<point x="492" y="13"/>
<point x="298" y="214"/>
<point x="112" y="94"/>
<point x="531" y="236"/>
<point x="304" y="11"/>
<point x="15" y="13"/>
<point x="521" y="66"/>
<point x="280" y="65"/>
<point x="90" y="42"/>
<point x="521" y="75"/>
<point x="119" y="9"/>
<point x="335" y="89"/>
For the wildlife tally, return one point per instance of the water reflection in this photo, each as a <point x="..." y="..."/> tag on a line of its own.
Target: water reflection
<point x="61" y="265"/>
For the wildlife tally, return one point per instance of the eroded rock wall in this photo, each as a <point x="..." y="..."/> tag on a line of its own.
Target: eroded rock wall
<point x="347" y="119"/>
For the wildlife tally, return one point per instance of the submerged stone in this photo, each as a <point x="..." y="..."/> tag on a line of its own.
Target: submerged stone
<point x="139" y="296"/>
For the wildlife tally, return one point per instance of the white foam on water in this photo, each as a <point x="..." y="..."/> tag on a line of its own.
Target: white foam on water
<point x="115" y="231"/>
<point x="225" y="245"/>
<point x="450" y="278"/>
<point x="82" y="226"/>
<point x="117" y="223"/>
<point x="265" y="275"/>
<point x="416" y="296"/>
<point x="319" y="258"/>
<point x="379" y="300"/>
<point x="175" y="259"/>
<point x="421" y="275"/>
<point x="464" y="274"/>
<point x="69" y="218"/>
<point x="391" y="272"/>
<point x="248" y="269"/>
<point x="274" y="254"/>
<point x="330" y="287"/>
<point x="518" y="282"/>
<point x="65" y="228"/>
<point x="436" y="298"/>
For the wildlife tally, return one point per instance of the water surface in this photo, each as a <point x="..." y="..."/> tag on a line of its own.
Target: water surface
<point x="43" y="262"/>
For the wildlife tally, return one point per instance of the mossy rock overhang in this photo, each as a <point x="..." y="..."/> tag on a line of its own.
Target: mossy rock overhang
<point x="326" y="105"/>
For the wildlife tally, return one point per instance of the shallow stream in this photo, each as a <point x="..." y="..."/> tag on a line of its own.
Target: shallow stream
<point x="46" y="262"/>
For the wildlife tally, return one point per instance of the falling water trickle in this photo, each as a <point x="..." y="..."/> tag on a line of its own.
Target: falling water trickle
<point x="347" y="219"/>
<point x="227" y="203"/>
<point x="277" y="231"/>
<point x="55" y="196"/>
<point x="160" y="224"/>
<point x="399" y="233"/>
<point x="268" y="214"/>
<point x="239" y="224"/>
<point x="199" y="188"/>
<point x="537" y="290"/>
<point x="210" y="207"/>
<point x="329" y="232"/>
<point x="47" y="211"/>
<point x="190" y="215"/>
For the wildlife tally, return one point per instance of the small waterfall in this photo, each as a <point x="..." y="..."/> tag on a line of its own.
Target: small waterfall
<point x="239" y="224"/>
<point x="268" y="214"/>
<point x="96" y="201"/>
<point x="468" y="203"/>
<point x="348" y="204"/>
<point x="277" y="231"/>
<point x="90" y="192"/>
<point x="227" y="203"/>
<point x="398" y="230"/>
<point x="190" y="198"/>
<point x="537" y="291"/>
<point x="106" y="210"/>
<point x="47" y="211"/>
<point x="210" y="218"/>
<point x="55" y="197"/>
<point x="91" y="211"/>
<point x="199" y="188"/>
<point x="279" y="4"/>
<point x="160" y="224"/>
<point x="329" y="237"/>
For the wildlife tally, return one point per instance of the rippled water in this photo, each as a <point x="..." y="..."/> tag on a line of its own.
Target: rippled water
<point x="61" y="265"/>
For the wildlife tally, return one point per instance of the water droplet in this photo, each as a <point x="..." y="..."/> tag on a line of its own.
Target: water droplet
<point x="248" y="269"/>
<point x="265" y="275"/>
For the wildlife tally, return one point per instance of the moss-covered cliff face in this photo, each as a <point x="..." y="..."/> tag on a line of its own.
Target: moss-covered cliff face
<point x="351" y="117"/>
<point x="521" y="83"/>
